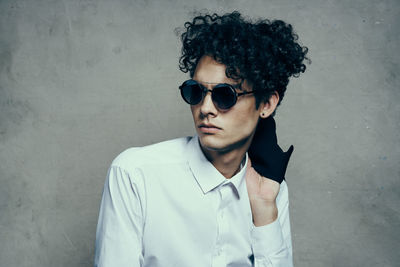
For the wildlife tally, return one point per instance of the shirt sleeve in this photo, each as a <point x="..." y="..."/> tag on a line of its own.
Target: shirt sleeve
<point x="272" y="243"/>
<point x="120" y="225"/>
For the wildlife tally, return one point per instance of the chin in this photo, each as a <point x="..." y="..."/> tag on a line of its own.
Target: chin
<point x="211" y="142"/>
<point x="215" y="143"/>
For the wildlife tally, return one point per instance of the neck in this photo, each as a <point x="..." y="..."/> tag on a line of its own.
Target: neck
<point x="227" y="162"/>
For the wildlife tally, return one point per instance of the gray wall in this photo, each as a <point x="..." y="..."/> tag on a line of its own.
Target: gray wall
<point x="80" y="81"/>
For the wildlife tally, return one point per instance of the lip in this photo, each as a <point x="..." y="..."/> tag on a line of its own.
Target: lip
<point x="208" y="128"/>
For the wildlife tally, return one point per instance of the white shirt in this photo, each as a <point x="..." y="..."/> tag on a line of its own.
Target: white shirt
<point x="166" y="205"/>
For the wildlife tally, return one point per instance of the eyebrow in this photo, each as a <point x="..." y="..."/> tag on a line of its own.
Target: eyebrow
<point x="236" y="85"/>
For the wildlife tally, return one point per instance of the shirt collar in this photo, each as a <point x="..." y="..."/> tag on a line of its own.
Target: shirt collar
<point x="206" y="175"/>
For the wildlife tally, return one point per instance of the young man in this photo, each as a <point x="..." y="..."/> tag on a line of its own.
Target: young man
<point x="203" y="200"/>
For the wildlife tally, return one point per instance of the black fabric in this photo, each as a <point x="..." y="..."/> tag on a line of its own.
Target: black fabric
<point x="267" y="158"/>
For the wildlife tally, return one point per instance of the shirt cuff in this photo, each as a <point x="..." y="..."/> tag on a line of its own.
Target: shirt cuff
<point x="267" y="239"/>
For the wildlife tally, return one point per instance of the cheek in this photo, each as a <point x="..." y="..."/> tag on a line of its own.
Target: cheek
<point x="246" y="121"/>
<point x="193" y="109"/>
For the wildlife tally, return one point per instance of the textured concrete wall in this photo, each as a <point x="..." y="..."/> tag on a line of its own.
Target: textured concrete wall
<point x="82" y="80"/>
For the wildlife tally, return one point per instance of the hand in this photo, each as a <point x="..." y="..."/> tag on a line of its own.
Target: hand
<point x="259" y="188"/>
<point x="262" y="195"/>
<point x="265" y="172"/>
<point x="267" y="157"/>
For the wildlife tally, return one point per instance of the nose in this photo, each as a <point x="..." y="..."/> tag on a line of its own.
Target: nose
<point x="207" y="107"/>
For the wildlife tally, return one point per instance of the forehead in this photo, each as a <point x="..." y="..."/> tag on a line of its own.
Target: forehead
<point x="210" y="71"/>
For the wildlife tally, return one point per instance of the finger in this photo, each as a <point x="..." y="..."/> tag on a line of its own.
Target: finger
<point x="248" y="162"/>
<point x="271" y="182"/>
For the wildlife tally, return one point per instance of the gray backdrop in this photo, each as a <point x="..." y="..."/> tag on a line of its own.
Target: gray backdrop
<point x="82" y="80"/>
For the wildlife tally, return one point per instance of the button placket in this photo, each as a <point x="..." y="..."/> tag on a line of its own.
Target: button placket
<point x="225" y="193"/>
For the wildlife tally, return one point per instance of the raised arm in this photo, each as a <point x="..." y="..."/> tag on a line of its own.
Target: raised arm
<point x="268" y="197"/>
<point x="271" y="237"/>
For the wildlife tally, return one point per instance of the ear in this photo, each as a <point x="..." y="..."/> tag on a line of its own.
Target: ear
<point x="267" y="108"/>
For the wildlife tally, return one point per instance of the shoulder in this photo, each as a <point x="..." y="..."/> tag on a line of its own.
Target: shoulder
<point x="166" y="152"/>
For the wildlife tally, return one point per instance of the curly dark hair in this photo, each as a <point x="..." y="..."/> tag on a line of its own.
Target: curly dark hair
<point x="264" y="53"/>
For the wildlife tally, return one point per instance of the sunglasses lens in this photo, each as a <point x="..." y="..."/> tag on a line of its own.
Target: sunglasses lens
<point x="191" y="92"/>
<point x="224" y="96"/>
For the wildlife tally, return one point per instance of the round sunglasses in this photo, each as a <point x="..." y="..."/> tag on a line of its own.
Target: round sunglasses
<point x="223" y="95"/>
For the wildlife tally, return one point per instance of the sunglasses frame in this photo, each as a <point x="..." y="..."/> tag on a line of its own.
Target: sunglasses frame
<point x="206" y="90"/>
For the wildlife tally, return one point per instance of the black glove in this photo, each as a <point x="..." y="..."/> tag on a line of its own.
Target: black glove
<point x="267" y="158"/>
